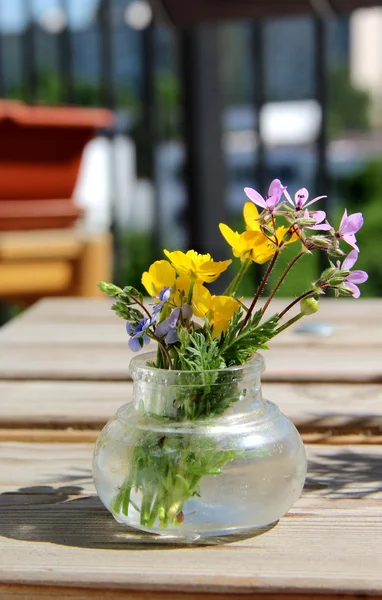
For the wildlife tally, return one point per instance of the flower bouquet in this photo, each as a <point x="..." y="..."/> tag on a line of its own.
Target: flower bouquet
<point x="200" y="452"/>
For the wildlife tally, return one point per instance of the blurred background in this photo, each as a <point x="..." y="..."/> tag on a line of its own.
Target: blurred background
<point x="128" y="126"/>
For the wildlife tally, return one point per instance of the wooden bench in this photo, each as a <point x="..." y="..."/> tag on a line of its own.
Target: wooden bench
<point x="53" y="262"/>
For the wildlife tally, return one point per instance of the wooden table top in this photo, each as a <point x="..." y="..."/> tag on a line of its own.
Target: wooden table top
<point x="63" y="374"/>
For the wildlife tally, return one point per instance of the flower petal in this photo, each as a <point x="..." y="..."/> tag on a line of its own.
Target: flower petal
<point x="251" y="214"/>
<point x="162" y="328"/>
<point x="319" y="216"/>
<point x="201" y="300"/>
<point x="174" y="316"/>
<point x="352" y="224"/>
<point x="350" y="260"/>
<point x="129" y="328"/>
<point x="272" y="201"/>
<point x="349" y="238"/>
<point x="353" y="288"/>
<point x="323" y="227"/>
<point x="357" y="277"/>
<point x="287" y="196"/>
<point x="300" y="197"/>
<point x="343" y="220"/>
<point x="134" y="344"/>
<point x="276" y="189"/>
<point x="186" y="312"/>
<point x="314" y="200"/>
<point x="255" y="197"/>
<point x="171" y="337"/>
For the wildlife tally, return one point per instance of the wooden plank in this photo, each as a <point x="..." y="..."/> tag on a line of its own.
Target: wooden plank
<point x="112" y="332"/>
<point x="22" y="592"/>
<point x="110" y="362"/>
<point x="334" y="409"/>
<point x="82" y="322"/>
<point x="36" y="245"/>
<point x="72" y="310"/>
<point x="35" y="277"/>
<point x="55" y="532"/>
<point x="87" y="436"/>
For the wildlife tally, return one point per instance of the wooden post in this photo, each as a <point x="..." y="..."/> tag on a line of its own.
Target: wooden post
<point x="94" y="265"/>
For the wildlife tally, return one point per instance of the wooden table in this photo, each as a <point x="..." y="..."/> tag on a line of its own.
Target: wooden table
<point x="63" y="373"/>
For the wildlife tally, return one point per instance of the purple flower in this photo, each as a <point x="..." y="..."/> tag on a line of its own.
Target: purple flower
<point x="276" y="190"/>
<point x="301" y="199"/>
<point x="348" y="228"/>
<point x="318" y="216"/>
<point x="163" y="297"/>
<point x="355" y="276"/>
<point x="138" y="334"/>
<point x="167" y="328"/>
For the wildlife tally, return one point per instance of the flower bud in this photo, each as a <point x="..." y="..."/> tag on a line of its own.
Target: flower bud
<point x="336" y="281"/>
<point x="344" y="291"/>
<point x="287" y="235"/>
<point x="319" y="241"/>
<point x="336" y="252"/>
<point x="309" y="306"/>
<point x="183" y="335"/>
<point x="109" y="288"/>
<point x="305" y="221"/>
<point x="328" y="274"/>
<point x="268" y="230"/>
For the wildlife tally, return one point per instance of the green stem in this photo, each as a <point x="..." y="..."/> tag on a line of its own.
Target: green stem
<point x="308" y="293"/>
<point x="163" y="349"/>
<point x="189" y="297"/>
<point x="126" y="500"/>
<point x="231" y="289"/>
<point x="289" y="323"/>
<point x="154" y="511"/>
<point x="260" y="289"/>
<point x="142" y="306"/>
<point x="291" y="264"/>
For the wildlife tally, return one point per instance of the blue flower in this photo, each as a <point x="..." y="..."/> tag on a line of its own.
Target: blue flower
<point x="163" y="297"/>
<point x="167" y="328"/>
<point x="138" y="334"/>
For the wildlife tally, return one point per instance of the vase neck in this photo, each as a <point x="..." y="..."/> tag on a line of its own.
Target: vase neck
<point x="197" y="395"/>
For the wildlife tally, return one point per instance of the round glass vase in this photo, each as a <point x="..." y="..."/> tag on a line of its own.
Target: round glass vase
<point x="198" y="453"/>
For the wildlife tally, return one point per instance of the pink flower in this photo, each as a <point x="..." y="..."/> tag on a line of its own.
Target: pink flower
<point x="318" y="216"/>
<point x="348" y="228"/>
<point x="276" y="190"/>
<point x="301" y="198"/>
<point x="355" y="276"/>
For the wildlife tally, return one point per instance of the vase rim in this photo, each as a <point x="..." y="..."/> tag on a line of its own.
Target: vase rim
<point x="138" y="365"/>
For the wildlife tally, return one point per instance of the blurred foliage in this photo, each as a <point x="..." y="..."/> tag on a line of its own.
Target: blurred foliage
<point x="349" y="106"/>
<point x="168" y="100"/>
<point x="362" y="192"/>
<point x="49" y="91"/>
<point x="137" y="252"/>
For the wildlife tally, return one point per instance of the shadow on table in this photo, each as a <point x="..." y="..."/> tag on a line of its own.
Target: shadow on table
<point x="345" y="474"/>
<point x="62" y="516"/>
<point x="47" y="514"/>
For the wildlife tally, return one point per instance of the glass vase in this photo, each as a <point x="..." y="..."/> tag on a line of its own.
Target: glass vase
<point x="198" y="453"/>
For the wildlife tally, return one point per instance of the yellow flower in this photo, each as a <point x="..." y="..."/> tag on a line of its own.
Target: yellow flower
<point x="161" y="274"/>
<point x="182" y="287"/>
<point x="199" y="266"/>
<point x="219" y="310"/>
<point x="242" y="243"/>
<point x="223" y="309"/>
<point x="251" y="214"/>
